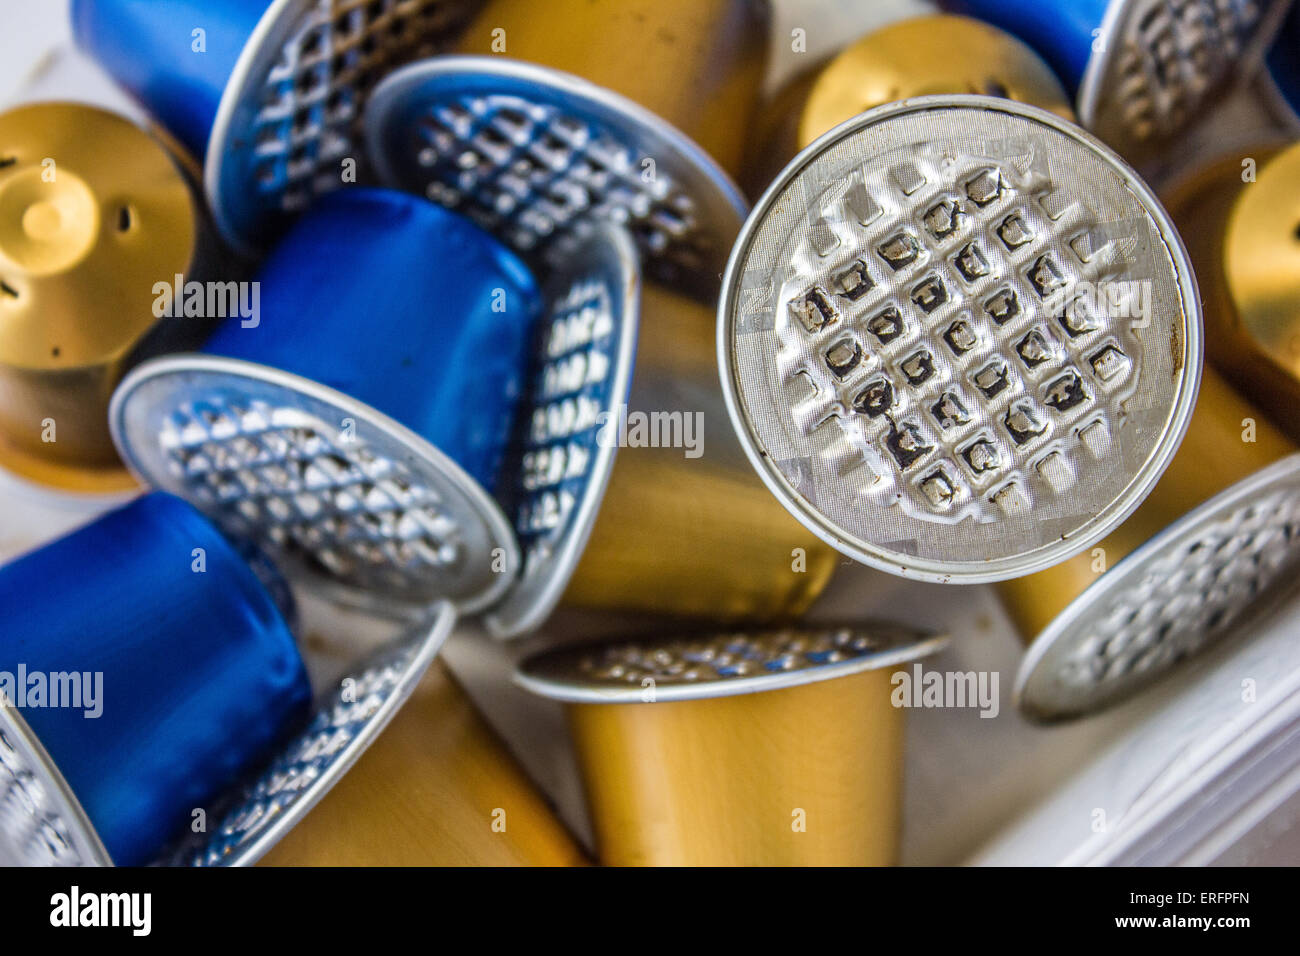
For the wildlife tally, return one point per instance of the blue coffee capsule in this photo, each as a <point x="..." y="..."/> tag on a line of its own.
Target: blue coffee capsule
<point x="146" y="667"/>
<point x="400" y="304"/>
<point x="268" y="92"/>
<point x="1141" y="70"/>
<point x="175" y="57"/>
<point x="352" y="416"/>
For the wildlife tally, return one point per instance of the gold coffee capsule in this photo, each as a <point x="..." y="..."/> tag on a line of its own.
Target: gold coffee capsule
<point x="777" y="748"/>
<point x="686" y="528"/>
<point x="436" y="789"/>
<point x="917" y="56"/>
<point x="696" y="63"/>
<point x="93" y="213"/>
<point x="1218" y="538"/>
<point x="1240" y="217"/>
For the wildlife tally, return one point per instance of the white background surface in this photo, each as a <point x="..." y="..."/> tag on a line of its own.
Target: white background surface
<point x="968" y="779"/>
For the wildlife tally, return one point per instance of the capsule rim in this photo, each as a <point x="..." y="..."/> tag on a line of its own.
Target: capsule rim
<point x="62" y="803"/>
<point x="540" y="587"/>
<point x="139" y="452"/>
<point x="546" y="674"/>
<point x="1035" y="695"/>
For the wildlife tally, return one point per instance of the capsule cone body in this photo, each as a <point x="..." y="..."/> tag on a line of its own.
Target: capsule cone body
<point x="698" y="64"/>
<point x="776" y="748"/>
<point x="438" y="788"/>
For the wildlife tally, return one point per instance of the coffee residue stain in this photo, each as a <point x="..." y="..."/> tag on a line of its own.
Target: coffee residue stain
<point x="1176" y="348"/>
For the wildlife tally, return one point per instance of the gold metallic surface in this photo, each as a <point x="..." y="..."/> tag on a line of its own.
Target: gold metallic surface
<point x="1261" y="261"/>
<point x="918" y="56"/>
<point x="1212" y="457"/>
<point x="427" y="793"/>
<point x="93" y="212"/>
<point x="721" y="781"/>
<point x="698" y="64"/>
<point x="1244" y="243"/>
<point x="693" y="536"/>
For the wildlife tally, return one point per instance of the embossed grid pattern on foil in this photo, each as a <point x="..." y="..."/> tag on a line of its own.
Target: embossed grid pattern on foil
<point x="301" y="486"/>
<point x="29" y="818"/>
<point x="726" y="656"/>
<point x="953" y="328"/>
<point x="570" y="391"/>
<point x="1189" y="596"/>
<point x="305" y="760"/>
<point x="530" y="173"/>
<point x="310" y="111"/>
<point x="1173" y="54"/>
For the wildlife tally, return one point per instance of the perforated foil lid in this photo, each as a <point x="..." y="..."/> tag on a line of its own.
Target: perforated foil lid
<point x="324" y="484"/>
<point x="959" y="339"/>
<point x="1157" y="64"/>
<point x="581" y="374"/>
<point x="1193" y="583"/>
<point x="720" y="665"/>
<point x="291" y="112"/>
<point x="536" y="156"/>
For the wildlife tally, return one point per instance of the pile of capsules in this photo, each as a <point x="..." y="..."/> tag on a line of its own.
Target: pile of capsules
<point x="442" y="309"/>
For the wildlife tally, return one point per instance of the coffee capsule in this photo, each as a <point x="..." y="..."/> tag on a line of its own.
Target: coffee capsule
<point x="1241" y="219"/>
<point x="269" y="93"/>
<point x="779" y="748"/>
<point x="1216" y="541"/>
<point x="1141" y="70"/>
<point x="696" y="64"/>
<point x="681" y="527"/>
<point x="145" y="666"/>
<point x="438" y="789"/>
<point x="93" y="214"/>
<point x="959" y="339"/>
<point x="353" y="426"/>
<point x="916" y="56"/>
<point x="538" y="157"/>
<point x="347" y="720"/>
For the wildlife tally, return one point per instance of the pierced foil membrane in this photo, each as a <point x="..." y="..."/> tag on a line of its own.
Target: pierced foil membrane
<point x="1188" y="586"/>
<point x="322" y="483"/>
<point x="536" y="156"/>
<point x="720" y="665"/>
<point x="959" y="339"/>
<point x="346" y="722"/>
<point x="41" y="821"/>
<point x="292" y="110"/>
<point x="582" y="370"/>
<point x="1158" y="63"/>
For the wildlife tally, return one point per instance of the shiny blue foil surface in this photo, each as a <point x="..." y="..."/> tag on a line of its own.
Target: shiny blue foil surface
<point x="200" y="674"/>
<point x="402" y="305"/>
<point x="1060" y="31"/>
<point x="149" y="48"/>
